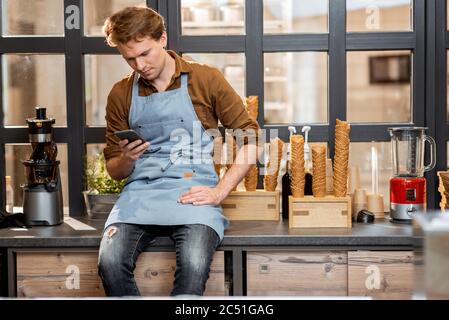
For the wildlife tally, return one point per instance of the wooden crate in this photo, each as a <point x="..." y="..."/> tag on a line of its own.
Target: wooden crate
<point x="326" y="212"/>
<point x="256" y="205"/>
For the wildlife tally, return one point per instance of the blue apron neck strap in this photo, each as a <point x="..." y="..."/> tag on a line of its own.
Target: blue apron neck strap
<point x="135" y="92"/>
<point x="184" y="80"/>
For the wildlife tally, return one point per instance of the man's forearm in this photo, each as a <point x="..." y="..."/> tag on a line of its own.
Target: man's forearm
<point x="119" y="167"/>
<point x="246" y="157"/>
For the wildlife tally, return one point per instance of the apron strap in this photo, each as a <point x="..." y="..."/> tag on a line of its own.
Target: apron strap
<point x="135" y="91"/>
<point x="184" y="80"/>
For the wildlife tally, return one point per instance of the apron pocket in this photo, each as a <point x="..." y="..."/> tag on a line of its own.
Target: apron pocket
<point x="160" y="132"/>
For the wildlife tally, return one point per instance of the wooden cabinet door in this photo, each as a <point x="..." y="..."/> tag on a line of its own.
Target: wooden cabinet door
<point x="297" y="274"/>
<point x="74" y="274"/>
<point x="381" y="274"/>
<point x="57" y="274"/>
<point x="155" y="274"/>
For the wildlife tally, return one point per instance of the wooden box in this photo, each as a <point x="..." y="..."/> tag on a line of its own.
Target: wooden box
<point x="255" y="205"/>
<point x="326" y="212"/>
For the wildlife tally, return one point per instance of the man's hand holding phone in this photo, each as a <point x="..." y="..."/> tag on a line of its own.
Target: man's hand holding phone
<point x="131" y="144"/>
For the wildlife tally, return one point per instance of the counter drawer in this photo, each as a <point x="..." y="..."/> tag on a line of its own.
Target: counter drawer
<point x="74" y="274"/>
<point x="297" y="273"/>
<point x="381" y="274"/>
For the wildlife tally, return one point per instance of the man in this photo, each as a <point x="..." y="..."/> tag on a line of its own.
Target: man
<point x="168" y="191"/>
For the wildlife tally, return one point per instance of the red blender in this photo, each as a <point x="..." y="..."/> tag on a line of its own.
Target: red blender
<point x="408" y="186"/>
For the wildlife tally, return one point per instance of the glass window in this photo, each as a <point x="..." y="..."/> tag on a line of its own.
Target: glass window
<point x="295" y="87"/>
<point x="32" y="18"/>
<point x="102" y="72"/>
<point x="447" y="85"/>
<point x="15" y="153"/>
<point x="288" y="16"/>
<point x="97" y="11"/>
<point x="232" y="65"/>
<point x="379" y="15"/>
<point x="212" y="17"/>
<point x="94" y="149"/>
<point x="378" y="86"/>
<point x="361" y="155"/>
<point x="33" y="80"/>
<point x="447" y="155"/>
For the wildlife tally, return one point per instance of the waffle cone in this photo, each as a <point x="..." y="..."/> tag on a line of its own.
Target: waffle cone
<point x="443" y="188"/>
<point x="297" y="166"/>
<point x="341" y="158"/>
<point x="275" y="156"/>
<point x="319" y="171"/>
<point x="251" y="179"/>
<point x="252" y="106"/>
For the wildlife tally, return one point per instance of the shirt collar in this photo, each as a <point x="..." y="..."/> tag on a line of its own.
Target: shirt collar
<point x="181" y="66"/>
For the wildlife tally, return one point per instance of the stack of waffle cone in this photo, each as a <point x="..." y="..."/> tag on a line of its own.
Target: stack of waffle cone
<point x="251" y="178"/>
<point x="297" y="166"/>
<point x="319" y="171"/>
<point x="271" y="177"/>
<point x="341" y="158"/>
<point x="443" y="188"/>
<point x="218" y="154"/>
<point x="251" y="106"/>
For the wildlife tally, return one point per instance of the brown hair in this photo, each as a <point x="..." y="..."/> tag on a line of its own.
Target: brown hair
<point x="132" y="23"/>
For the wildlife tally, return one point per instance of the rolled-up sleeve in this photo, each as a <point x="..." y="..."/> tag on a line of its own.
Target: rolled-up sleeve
<point x="116" y="118"/>
<point x="230" y="109"/>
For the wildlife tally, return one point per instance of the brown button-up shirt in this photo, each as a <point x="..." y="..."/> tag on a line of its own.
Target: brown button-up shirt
<point x="212" y="96"/>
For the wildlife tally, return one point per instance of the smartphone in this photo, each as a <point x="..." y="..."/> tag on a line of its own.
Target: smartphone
<point x="130" y="135"/>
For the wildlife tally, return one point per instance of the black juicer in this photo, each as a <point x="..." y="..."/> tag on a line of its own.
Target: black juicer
<point x="42" y="195"/>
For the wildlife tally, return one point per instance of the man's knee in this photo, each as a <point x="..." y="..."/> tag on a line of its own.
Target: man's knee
<point x="113" y="257"/>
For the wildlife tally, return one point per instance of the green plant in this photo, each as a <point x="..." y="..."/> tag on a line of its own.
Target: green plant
<point x="97" y="178"/>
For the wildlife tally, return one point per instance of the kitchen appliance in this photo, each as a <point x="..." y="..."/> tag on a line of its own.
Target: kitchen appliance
<point x="408" y="186"/>
<point x="42" y="194"/>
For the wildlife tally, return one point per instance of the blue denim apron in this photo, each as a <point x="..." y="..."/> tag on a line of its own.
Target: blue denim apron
<point x="180" y="157"/>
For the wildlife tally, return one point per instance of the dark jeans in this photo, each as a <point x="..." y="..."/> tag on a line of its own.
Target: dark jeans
<point x="122" y="243"/>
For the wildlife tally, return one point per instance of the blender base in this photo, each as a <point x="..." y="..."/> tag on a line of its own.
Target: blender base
<point x="400" y="221"/>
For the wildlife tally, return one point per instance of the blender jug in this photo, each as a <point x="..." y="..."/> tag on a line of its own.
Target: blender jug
<point x="408" y="186"/>
<point x="408" y="146"/>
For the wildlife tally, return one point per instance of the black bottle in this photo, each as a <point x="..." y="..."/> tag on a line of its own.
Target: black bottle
<point x="286" y="191"/>
<point x="308" y="191"/>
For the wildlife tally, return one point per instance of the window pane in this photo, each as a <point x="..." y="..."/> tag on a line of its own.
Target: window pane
<point x="33" y="18"/>
<point x="232" y="65"/>
<point x="102" y="72"/>
<point x="94" y="149"/>
<point x="447" y="85"/>
<point x="14" y="168"/>
<point x="295" y="87"/>
<point x="30" y="81"/>
<point x="379" y="15"/>
<point x="378" y="87"/>
<point x="213" y="17"/>
<point x="96" y="12"/>
<point x="287" y="16"/>
<point x="447" y="154"/>
<point x="360" y="155"/>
